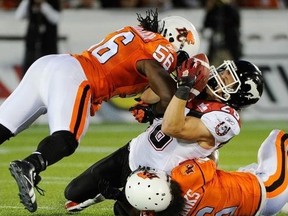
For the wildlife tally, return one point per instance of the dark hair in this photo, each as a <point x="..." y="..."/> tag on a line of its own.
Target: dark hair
<point x="177" y="204"/>
<point x="150" y="22"/>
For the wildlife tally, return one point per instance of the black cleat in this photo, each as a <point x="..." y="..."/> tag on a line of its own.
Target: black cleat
<point x="26" y="179"/>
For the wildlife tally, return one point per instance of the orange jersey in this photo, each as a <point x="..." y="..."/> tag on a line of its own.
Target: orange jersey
<point x="110" y="66"/>
<point x="208" y="191"/>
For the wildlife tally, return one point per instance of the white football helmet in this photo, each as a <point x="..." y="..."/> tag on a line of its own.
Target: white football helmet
<point x="181" y="33"/>
<point x="148" y="190"/>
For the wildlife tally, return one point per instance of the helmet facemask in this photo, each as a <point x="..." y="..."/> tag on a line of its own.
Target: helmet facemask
<point x="217" y="86"/>
<point x="245" y="86"/>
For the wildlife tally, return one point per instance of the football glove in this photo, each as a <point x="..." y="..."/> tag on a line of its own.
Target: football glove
<point x="186" y="73"/>
<point x="181" y="57"/>
<point x="186" y="77"/>
<point x="142" y="112"/>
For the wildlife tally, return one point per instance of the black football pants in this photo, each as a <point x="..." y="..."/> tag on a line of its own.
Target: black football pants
<point x="105" y="176"/>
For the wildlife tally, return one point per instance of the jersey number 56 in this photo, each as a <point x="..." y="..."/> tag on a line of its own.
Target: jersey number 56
<point x="103" y="52"/>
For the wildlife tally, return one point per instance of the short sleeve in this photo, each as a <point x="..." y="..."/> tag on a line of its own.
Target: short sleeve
<point x="223" y="126"/>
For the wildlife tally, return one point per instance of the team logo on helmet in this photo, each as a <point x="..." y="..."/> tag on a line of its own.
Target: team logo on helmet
<point x="148" y="175"/>
<point x="181" y="33"/>
<point x="253" y="93"/>
<point x="185" y="36"/>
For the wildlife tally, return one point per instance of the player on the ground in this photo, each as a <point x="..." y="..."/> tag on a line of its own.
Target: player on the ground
<point x="253" y="190"/>
<point x="209" y="122"/>
<point x="69" y="88"/>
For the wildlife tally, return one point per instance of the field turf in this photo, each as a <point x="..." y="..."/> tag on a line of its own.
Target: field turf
<point x="100" y="140"/>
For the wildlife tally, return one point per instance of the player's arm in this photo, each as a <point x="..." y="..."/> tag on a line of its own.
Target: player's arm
<point x="160" y="82"/>
<point x="149" y="96"/>
<point x="189" y="128"/>
<point x="175" y="122"/>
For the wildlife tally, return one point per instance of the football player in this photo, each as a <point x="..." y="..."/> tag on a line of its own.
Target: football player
<point x="205" y="123"/>
<point x="70" y="87"/>
<point x="202" y="125"/>
<point x="257" y="189"/>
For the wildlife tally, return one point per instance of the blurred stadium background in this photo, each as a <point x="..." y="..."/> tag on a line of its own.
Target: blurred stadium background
<point x="264" y="34"/>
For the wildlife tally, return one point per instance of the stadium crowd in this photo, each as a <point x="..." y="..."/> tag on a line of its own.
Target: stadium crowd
<point x="164" y="4"/>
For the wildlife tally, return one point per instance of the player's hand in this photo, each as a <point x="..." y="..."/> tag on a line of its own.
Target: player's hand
<point x="142" y="112"/>
<point x="181" y="57"/>
<point x="202" y="76"/>
<point x="187" y="73"/>
<point x="194" y="74"/>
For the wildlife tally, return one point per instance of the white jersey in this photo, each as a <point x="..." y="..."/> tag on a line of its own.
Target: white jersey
<point x="155" y="149"/>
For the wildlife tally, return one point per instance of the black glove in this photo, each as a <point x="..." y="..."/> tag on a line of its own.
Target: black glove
<point x="142" y="112"/>
<point x="181" y="57"/>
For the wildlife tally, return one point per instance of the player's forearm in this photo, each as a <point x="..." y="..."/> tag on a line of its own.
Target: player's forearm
<point x="149" y="97"/>
<point x="174" y="117"/>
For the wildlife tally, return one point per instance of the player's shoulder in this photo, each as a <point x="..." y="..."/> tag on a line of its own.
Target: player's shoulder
<point x="202" y="169"/>
<point x="222" y="120"/>
<point x="210" y="105"/>
<point x="204" y="107"/>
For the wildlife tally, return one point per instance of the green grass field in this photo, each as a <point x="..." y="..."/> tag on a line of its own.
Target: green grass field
<point x="99" y="142"/>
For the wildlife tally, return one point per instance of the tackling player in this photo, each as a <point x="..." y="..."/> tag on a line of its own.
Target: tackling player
<point x="257" y="189"/>
<point x="69" y="88"/>
<point x="206" y="123"/>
